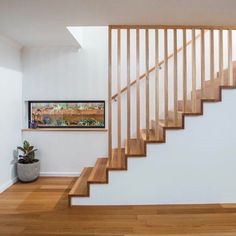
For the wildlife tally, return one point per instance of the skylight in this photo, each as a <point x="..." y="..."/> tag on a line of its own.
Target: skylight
<point x="77" y="33"/>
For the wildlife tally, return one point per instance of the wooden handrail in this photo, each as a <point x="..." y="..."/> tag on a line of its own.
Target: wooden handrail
<point x="153" y="68"/>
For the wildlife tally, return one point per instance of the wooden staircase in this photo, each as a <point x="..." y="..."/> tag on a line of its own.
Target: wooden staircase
<point x="99" y="174"/>
<point x="190" y="105"/>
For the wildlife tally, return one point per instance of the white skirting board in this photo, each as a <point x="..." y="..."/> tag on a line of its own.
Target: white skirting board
<point x="196" y="165"/>
<point x="60" y="174"/>
<point x="8" y="184"/>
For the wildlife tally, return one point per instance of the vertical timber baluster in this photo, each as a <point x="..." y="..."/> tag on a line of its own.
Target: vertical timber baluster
<point x="212" y="83"/>
<point x="156" y="83"/>
<point x="137" y="84"/>
<point x="110" y="93"/>
<point x="175" y="76"/>
<point x="230" y="63"/>
<point x="128" y="88"/>
<point x="202" y="63"/>
<point x="184" y="72"/>
<point x="221" y="75"/>
<point x="193" y="71"/>
<point x="119" y="92"/>
<point x="147" y="81"/>
<point x="212" y="66"/>
<point x="166" y="75"/>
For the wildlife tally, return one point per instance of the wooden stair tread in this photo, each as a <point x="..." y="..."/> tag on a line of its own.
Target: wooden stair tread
<point x="208" y="94"/>
<point x="172" y="124"/>
<point x="117" y="162"/>
<point x="225" y="81"/>
<point x="80" y="187"/>
<point x="153" y="138"/>
<point x="135" y="147"/>
<point x="208" y="85"/>
<point x="189" y="108"/>
<point x="172" y="117"/>
<point x="99" y="172"/>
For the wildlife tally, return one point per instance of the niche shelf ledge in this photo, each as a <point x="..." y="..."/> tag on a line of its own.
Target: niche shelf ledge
<point x="66" y="129"/>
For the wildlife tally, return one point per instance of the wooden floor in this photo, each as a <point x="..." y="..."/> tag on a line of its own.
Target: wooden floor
<point x="41" y="208"/>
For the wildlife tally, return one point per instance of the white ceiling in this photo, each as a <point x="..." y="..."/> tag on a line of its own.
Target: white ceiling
<point x="43" y="22"/>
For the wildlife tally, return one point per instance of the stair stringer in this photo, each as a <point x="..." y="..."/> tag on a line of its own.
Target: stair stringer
<point x="191" y="167"/>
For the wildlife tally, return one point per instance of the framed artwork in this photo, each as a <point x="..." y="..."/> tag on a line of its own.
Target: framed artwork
<point x="66" y="114"/>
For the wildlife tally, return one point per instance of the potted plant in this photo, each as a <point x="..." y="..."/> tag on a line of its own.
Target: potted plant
<point x="27" y="166"/>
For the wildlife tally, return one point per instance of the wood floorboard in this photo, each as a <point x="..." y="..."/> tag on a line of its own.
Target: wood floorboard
<point x="41" y="208"/>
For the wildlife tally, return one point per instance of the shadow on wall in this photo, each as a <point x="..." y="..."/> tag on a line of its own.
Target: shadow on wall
<point x="13" y="163"/>
<point x="10" y="121"/>
<point x="10" y="54"/>
<point x="11" y="108"/>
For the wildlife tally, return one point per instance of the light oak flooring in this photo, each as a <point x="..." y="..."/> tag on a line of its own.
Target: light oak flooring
<point x="41" y="208"/>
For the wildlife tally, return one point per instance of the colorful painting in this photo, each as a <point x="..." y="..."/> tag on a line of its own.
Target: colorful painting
<point x="67" y="114"/>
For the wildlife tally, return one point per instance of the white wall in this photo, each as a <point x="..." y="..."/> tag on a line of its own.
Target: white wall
<point x="11" y="112"/>
<point x="60" y="74"/>
<point x="66" y="153"/>
<point x="196" y="165"/>
<point x="65" y="73"/>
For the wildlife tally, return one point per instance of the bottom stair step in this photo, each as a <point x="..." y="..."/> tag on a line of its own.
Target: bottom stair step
<point x="99" y="172"/>
<point x="81" y="188"/>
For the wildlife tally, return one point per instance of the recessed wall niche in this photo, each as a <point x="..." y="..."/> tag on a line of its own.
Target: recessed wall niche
<point x="66" y="114"/>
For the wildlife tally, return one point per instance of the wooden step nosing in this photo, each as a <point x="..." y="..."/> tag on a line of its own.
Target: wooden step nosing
<point x="135" y="155"/>
<point x="228" y="86"/>
<point x="210" y="100"/>
<point x="193" y="114"/>
<point x="78" y="195"/>
<point x="116" y="169"/>
<point x="171" y="127"/>
<point x="98" y="181"/>
<point x="154" y="141"/>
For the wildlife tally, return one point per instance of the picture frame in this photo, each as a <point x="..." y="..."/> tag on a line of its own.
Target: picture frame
<point x="66" y="114"/>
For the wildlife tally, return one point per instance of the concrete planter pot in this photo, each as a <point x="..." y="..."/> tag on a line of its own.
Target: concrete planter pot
<point x="28" y="172"/>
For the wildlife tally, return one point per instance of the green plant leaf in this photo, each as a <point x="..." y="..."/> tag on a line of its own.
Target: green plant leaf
<point x="31" y="148"/>
<point x="22" y="149"/>
<point x="32" y="151"/>
<point x="26" y="145"/>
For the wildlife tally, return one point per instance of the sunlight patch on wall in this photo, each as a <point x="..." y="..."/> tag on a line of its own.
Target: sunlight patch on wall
<point x="78" y="32"/>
